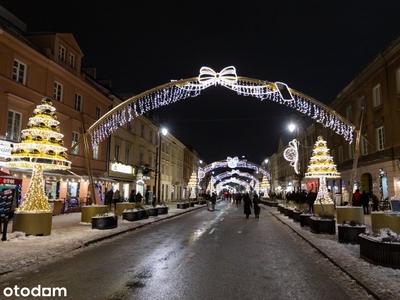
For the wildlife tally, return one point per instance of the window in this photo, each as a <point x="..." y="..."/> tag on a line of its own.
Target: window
<point x="398" y="81"/>
<point x="71" y="60"/>
<point x="364" y="146"/>
<point x="116" y="152"/>
<point x="127" y="155"/>
<point x="19" y="72"/>
<point x="78" y="102"/>
<point x="96" y="152"/>
<point x="351" y="151"/>
<point x="75" y="139"/>
<point x="98" y="112"/>
<point x="61" y="52"/>
<point x="376" y="96"/>
<point x="349" y="114"/>
<point x="13" y="126"/>
<point x="141" y="157"/>
<point x="380" y="138"/>
<point x="340" y="153"/>
<point x="58" y="91"/>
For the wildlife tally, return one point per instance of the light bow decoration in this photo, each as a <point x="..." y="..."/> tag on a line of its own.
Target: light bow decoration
<point x="232" y="162"/>
<point x="227" y="76"/>
<point x="291" y="154"/>
<point x="181" y="89"/>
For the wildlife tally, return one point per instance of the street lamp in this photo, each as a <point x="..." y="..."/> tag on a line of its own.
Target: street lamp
<point x="292" y="126"/>
<point x="157" y="179"/>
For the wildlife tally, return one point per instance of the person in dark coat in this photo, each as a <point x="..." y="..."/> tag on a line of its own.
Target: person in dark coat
<point x="116" y="198"/>
<point x="365" y="202"/>
<point x="247" y="205"/>
<point x="146" y="197"/>
<point x="109" y="198"/>
<point x="257" y="208"/>
<point x="139" y="197"/>
<point x="213" y="200"/>
<point x="132" y="196"/>
<point x="375" y="201"/>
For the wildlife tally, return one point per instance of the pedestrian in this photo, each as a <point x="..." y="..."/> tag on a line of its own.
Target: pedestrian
<point x="257" y="208"/>
<point x="132" y="196"/>
<point x="213" y="200"/>
<point x="247" y="205"/>
<point x="310" y="200"/>
<point x="116" y="198"/>
<point x="365" y="202"/>
<point x="207" y="197"/>
<point x="375" y="201"/>
<point x="109" y="198"/>
<point x="139" y="197"/>
<point x="356" y="199"/>
<point x="146" y="197"/>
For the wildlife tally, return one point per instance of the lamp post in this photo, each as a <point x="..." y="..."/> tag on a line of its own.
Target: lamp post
<point x="157" y="179"/>
<point x="292" y="126"/>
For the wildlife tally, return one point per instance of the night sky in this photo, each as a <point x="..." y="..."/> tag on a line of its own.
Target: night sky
<point x="316" y="47"/>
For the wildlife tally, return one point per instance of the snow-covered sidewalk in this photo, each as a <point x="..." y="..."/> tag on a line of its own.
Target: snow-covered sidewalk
<point x="381" y="281"/>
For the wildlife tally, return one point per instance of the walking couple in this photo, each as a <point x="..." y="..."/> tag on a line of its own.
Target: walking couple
<point x="247" y="204"/>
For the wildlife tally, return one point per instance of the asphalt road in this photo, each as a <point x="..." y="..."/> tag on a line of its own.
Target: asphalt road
<point x="200" y="255"/>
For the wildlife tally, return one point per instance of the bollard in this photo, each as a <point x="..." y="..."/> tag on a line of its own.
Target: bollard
<point x="4" y="235"/>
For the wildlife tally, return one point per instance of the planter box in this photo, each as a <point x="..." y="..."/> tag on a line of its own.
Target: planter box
<point x="304" y="220"/>
<point x="384" y="254"/>
<point x="182" y="205"/>
<point x="349" y="234"/>
<point x="296" y="216"/>
<point x="153" y="212"/>
<point x="163" y="210"/>
<point x="143" y="214"/>
<point x="322" y="226"/>
<point x="280" y="208"/>
<point x="290" y="213"/>
<point x="108" y="222"/>
<point x="130" y="215"/>
<point x="286" y="211"/>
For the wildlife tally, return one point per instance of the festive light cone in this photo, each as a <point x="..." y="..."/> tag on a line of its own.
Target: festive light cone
<point x="41" y="148"/>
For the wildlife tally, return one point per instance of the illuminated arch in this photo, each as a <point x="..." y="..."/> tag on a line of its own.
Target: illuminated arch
<point x="231" y="163"/>
<point x="231" y="174"/>
<point x="181" y="89"/>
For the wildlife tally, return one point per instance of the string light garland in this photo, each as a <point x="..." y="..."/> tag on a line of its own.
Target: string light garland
<point x="238" y="173"/>
<point x="181" y="89"/>
<point x="41" y="148"/>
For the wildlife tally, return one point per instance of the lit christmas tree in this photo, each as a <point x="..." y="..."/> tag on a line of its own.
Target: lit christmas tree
<point x="192" y="185"/>
<point x="321" y="166"/>
<point x="41" y="148"/>
<point x="265" y="186"/>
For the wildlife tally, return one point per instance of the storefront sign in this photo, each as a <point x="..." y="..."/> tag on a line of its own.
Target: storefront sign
<point x="10" y="181"/>
<point x="118" y="167"/>
<point x="5" y="149"/>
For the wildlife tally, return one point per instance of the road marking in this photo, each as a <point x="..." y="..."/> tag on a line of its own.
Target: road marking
<point x="239" y="231"/>
<point x="212" y="230"/>
<point x="222" y="219"/>
<point x="185" y="261"/>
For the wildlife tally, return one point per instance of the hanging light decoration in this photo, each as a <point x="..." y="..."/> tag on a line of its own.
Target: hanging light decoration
<point x="41" y="148"/>
<point x="181" y="89"/>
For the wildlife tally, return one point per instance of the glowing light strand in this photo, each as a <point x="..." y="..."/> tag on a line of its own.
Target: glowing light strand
<point x="227" y="78"/>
